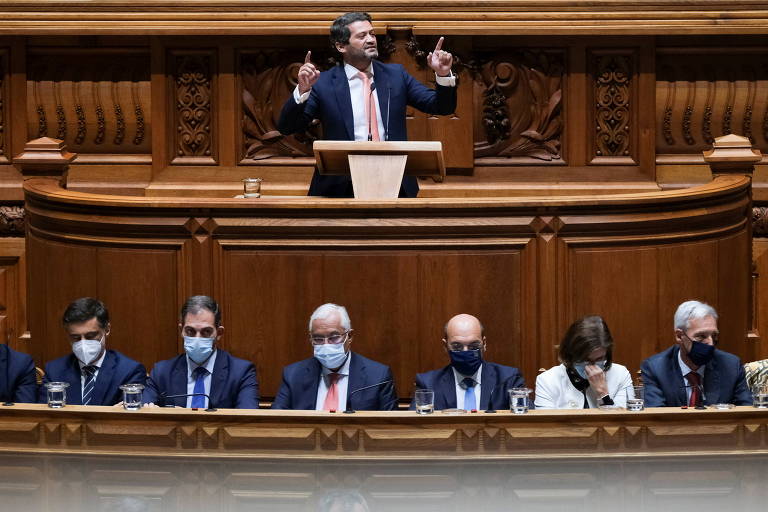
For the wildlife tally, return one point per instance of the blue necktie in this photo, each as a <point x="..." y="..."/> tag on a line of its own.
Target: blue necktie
<point x="198" y="402"/>
<point x="90" y="383"/>
<point x="469" y="396"/>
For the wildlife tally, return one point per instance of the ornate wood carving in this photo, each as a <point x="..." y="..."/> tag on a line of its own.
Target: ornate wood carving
<point x="98" y="104"/>
<point x="613" y="81"/>
<point x="193" y="100"/>
<point x="760" y="221"/>
<point x="12" y="221"/>
<point x="718" y="92"/>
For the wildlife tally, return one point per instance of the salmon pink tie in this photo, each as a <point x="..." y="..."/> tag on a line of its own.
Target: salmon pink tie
<point x="370" y="106"/>
<point x="332" y="398"/>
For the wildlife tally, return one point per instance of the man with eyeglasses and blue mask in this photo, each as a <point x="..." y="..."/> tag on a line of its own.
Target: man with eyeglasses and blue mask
<point x="694" y="372"/>
<point x="469" y="382"/>
<point x="93" y="372"/>
<point x="203" y="368"/>
<point x="335" y="378"/>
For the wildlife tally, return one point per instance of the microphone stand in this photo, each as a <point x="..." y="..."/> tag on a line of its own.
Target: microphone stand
<point x="162" y="397"/>
<point x="349" y="409"/>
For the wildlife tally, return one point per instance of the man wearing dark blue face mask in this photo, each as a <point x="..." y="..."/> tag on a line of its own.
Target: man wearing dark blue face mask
<point x="469" y="382"/>
<point x="203" y="370"/>
<point x="693" y="372"/>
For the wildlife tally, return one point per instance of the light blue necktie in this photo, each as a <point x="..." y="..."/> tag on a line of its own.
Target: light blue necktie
<point x="470" y="403"/>
<point x="198" y="402"/>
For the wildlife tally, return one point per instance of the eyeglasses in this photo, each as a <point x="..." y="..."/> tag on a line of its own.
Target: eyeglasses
<point x="332" y="339"/>
<point x="457" y="346"/>
<point x="702" y="337"/>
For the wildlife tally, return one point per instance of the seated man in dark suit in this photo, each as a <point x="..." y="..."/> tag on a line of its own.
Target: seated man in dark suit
<point x="693" y="371"/>
<point x="17" y="376"/>
<point x="203" y="368"/>
<point x="469" y="382"/>
<point x="94" y="373"/>
<point x="343" y="98"/>
<point x="335" y="377"/>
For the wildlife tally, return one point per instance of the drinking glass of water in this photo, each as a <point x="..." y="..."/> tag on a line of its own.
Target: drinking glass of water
<point x="518" y="400"/>
<point x="635" y="398"/>
<point x="132" y="396"/>
<point x="57" y="394"/>
<point x="760" y="396"/>
<point x="425" y="401"/>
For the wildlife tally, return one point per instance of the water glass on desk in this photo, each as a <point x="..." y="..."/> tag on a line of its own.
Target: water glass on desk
<point x="132" y="396"/>
<point x="760" y="396"/>
<point x="518" y="400"/>
<point x="635" y="398"/>
<point x="251" y="187"/>
<point x="57" y="394"/>
<point x="424" y="400"/>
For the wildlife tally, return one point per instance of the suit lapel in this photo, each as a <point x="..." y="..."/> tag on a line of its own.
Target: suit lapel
<point x="341" y="88"/>
<point x="178" y="384"/>
<point x="446" y="389"/>
<point x="711" y="383"/>
<point x="310" y="383"/>
<point x="381" y="79"/>
<point x="104" y="379"/>
<point x="5" y="392"/>
<point x="356" y="378"/>
<point x="219" y="380"/>
<point x="488" y="386"/>
<point x="679" y="388"/>
<point x="75" y="389"/>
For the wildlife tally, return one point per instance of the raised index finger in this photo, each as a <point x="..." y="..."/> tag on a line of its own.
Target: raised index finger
<point x="308" y="57"/>
<point x="439" y="45"/>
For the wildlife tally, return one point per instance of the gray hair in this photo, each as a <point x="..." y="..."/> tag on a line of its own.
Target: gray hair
<point x="329" y="309"/>
<point x="692" y="310"/>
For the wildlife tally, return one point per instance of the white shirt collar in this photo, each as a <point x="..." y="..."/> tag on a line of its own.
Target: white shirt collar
<point x="684" y="368"/>
<point x="208" y="365"/>
<point x="97" y="363"/>
<point x="460" y="378"/>
<point x="352" y="72"/>
<point x="344" y="370"/>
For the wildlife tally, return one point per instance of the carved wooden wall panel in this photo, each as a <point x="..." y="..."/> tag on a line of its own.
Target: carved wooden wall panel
<point x="97" y="101"/>
<point x="3" y="98"/>
<point x="194" y="126"/>
<point x="702" y="94"/>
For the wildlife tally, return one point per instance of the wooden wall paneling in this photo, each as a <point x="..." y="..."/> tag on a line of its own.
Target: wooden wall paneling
<point x="577" y="119"/>
<point x="161" y="114"/>
<point x="13" y="306"/>
<point x="760" y="290"/>
<point x="734" y="297"/>
<point x="400" y="50"/>
<point x="646" y="96"/>
<point x="227" y="105"/>
<point x="5" y="100"/>
<point x="193" y="83"/>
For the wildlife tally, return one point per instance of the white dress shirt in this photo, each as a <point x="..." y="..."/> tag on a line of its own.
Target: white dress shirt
<point x="358" y="100"/>
<point x="191" y="367"/>
<point x="461" y="390"/>
<point x="342" y="385"/>
<point x="97" y="363"/>
<point x="554" y="389"/>
<point x="685" y="370"/>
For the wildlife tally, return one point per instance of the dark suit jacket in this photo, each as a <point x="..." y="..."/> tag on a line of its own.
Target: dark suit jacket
<point x="495" y="377"/>
<point x="300" y="382"/>
<point x="115" y="370"/>
<point x="330" y="102"/>
<point x="17" y="376"/>
<point x="233" y="382"/>
<point x="724" y="380"/>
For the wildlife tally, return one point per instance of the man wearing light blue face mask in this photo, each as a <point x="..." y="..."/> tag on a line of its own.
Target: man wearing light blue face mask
<point x="204" y="375"/>
<point x="335" y="379"/>
<point x="694" y="372"/>
<point x="469" y="382"/>
<point x="93" y="372"/>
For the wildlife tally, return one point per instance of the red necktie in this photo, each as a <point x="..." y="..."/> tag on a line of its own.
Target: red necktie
<point x="332" y="398"/>
<point x="370" y="106"/>
<point x="694" y="379"/>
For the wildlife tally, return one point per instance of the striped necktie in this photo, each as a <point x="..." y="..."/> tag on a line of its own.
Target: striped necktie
<point x="90" y="382"/>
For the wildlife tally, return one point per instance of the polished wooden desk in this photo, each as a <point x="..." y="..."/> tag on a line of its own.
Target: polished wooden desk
<point x="374" y="436"/>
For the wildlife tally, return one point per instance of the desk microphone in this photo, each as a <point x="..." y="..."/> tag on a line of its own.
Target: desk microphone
<point x="162" y="397"/>
<point x="702" y="396"/>
<point x="370" y="114"/>
<point x="349" y="409"/>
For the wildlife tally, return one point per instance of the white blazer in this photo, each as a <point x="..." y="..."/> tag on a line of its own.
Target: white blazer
<point x="555" y="391"/>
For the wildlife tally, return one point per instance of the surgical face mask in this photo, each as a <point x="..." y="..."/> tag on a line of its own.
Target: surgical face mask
<point x="87" y="351"/>
<point x="466" y="362"/>
<point x="198" y="349"/>
<point x="330" y="355"/>
<point x="581" y="367"/>
<point x="700" y="353"/>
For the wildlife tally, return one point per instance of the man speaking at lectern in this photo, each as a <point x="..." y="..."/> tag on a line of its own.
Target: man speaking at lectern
<point x="343" y="98"/>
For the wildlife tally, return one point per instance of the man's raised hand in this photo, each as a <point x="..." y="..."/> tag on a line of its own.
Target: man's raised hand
<point x="440" y="60"/>
<point x="308" y="74"/>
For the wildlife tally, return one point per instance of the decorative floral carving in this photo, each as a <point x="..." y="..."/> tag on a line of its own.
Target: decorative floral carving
<point x="12" y="221"/>
<point x="139" y="113"/>
<point x="269" y="77"/>
<point x="194" y="91"/>
<point x="613" y="115"/>
<point x="759" y="221"/>
<point x="522" y="97"/>
<point x="667" y="126"/>
<point x="687" y="116"/>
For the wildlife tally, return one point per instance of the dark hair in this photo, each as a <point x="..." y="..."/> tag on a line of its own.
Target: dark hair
<point x="85" y="308"/>
<point x="340" y="26"/>
<point x="584" y="336"/>
<point x="198" y="303"/>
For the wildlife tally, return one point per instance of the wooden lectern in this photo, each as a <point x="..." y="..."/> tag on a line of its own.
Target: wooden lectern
<point x="377" y="168"/>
